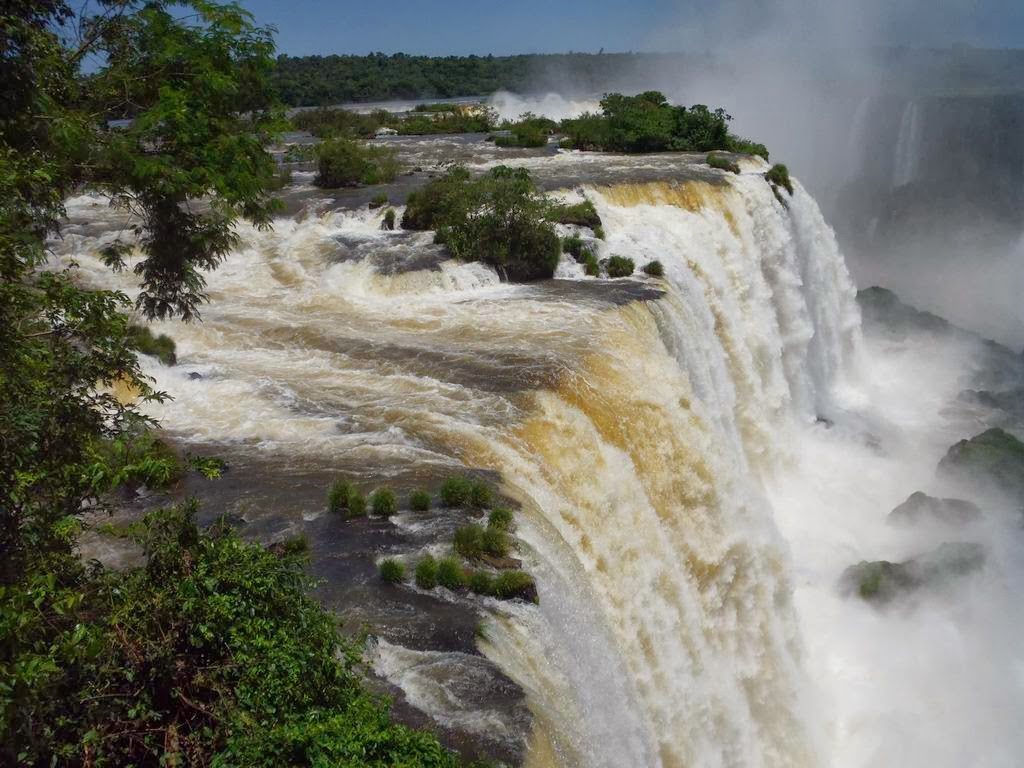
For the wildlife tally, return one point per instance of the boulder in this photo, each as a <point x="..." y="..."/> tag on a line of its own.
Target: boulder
<point x="922" y="507"/>
<point x="994" y="457"/>
<point x="881" y="581"/>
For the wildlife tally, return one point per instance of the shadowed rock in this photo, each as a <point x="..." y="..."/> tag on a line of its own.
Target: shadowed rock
<point x="881" y="581"/>
<point x="994" y="457"/>
<point x="922" y="507"/>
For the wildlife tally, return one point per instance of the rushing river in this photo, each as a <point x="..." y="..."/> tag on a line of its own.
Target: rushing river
<point x="696" y="460"/>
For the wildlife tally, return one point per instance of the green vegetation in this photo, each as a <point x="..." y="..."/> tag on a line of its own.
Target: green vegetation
<point x="654" y="269"/>
<point x="499" y="219"/>
<point x="579" y="214"/>
<point x="574" y="246"/>
<point x="469" y="541"/>
<point x="446" y="118"/>
<point x="648" y="123"/>
<point x="480" y="582"/>
<point x="392" y="570"/>
<point x="419" y="501"/>
<point x="501" y="519"/>
<point x="455" y="491"/>
<point x="141" y="339"/>
<point x="514" y="584"/>
<point x="480" y="495"/>
<point x="450" y="574"/>
<point x="344" y="162"/>
<point x="426" y="573"/>
<point x="529" y="131"/>
<point x="379" y="201"/>
<point x="212" y="653"/>
<point x="133" y="459"/>
<point x="327" y="123"/>
<point x="383" y="502"/>
<point x="620" y="266"/>
<point x="388" y="222"/>
<point x="494" y="541"/>
<point x="723" y="163"/>
<point x="343" y="498"/>
<point x="778" y="176"/>
<point x="211" y="649"/>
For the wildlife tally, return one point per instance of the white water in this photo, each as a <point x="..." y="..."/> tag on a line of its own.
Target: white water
<point x="908" y="146"/>
<point x="663" y="450"/>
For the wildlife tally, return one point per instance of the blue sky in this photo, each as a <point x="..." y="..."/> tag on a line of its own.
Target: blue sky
<point x="439" y="27"/>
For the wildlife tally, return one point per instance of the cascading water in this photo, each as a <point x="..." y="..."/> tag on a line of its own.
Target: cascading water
<point x="644" y="436"/>
<point x="908" y="144"/>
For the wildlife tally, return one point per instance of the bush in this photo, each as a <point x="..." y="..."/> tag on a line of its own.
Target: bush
<point x="514" y="584"/>
<point x="469" y="541"/>
<point x="580" y="215"/>
<point x="426" y="573"/>
<point x="620" y="266"/>
<point x="480" y="496"/>
<point x="379" y="201"/>
<point x="392" y="571"/>
<point x="388" y="222"/>
<point x="654" y="269"/>
<point x="499" y="219"/>
<point x="455" y="491"/>
<point x="344" y="162"/>
<point x="778" y="176"/>
<point x="591" y="268"/>
<point x="141" y="339"/>
<point x="383" y="502"/>
<point x="530" y="131"/>
<point x="449" y="573"/>
<point x="723" y="163"/>
<point x="648" y="123"/>
<point x="573" y="245"/>
<point x="480" y="582"/>
<point x="419" y="501"/>
<point x="212" y="653"/>
<point x="494" y="541"/>
<point x="500" y="519"/>
<point x="343" y="498"/>
<point x="135" y="459"/>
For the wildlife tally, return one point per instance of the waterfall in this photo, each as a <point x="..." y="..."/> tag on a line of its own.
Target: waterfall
<point x="635" y="436"/>
<point x="658" y="559"/>
<point x="908" y="146"/>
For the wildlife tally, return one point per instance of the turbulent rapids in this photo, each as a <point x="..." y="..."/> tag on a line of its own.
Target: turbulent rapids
<point x="639" y="423"/>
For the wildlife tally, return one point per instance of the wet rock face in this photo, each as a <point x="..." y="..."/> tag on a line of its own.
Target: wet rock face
<point x="880" y="581"/>
<point x="921" y="507"/>
<point x="994" y="457"/>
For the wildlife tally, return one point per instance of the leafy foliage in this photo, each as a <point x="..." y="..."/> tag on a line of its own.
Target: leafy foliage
<point x="343" y="162"/>
<point x="210" y="654"/>
<point x="426" y="573"/>
<point x="419" y="501"/>
<point x="648" y="123"/>
<point x="383" y="502"/>
<point x="620" y="266"/>
<point x="579" y="214"/>
<point x="778" y="176"/>
<point x="455" y="491"/>
<point x="529" y="131"/>
<point x="450" y="574"/>
<point x="722" y="163"/>
<point x="654" y="269"/>
<point x="161" y="347"/>
<point x="499" y="219"/>
<point x="392" y="571"/>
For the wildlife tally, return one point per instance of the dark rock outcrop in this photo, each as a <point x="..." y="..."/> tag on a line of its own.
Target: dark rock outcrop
<point x="922" y="507"/>
<point x="881" y="581"/>
<point x="994" y="457"/>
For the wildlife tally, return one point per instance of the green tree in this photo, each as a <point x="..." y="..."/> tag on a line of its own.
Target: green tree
<point x="210" y="654"/>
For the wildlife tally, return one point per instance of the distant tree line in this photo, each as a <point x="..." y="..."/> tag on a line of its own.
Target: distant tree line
<point x="326" y="80"/>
